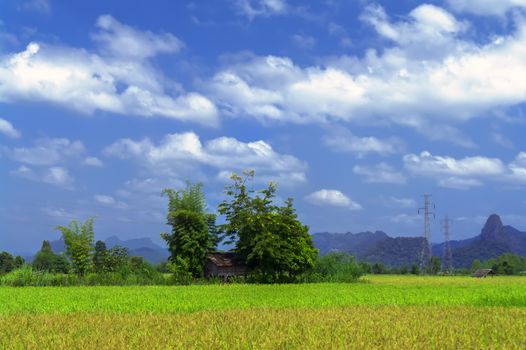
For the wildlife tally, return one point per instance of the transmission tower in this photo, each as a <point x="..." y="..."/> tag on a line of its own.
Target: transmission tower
<point x="447" y="256"/>
<point x="425" y="254"/>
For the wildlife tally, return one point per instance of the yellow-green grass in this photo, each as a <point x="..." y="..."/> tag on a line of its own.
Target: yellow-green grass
<point x="374" y="291"/>
<point x="360" y="327"/>
<point x="379" y="312"/>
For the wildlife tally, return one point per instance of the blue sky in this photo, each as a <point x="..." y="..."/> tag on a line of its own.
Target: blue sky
<point x="355" y="108"/>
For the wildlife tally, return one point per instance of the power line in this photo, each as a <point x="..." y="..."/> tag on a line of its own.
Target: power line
<point x="425" y="254"/>
<point x="447" y="256"/>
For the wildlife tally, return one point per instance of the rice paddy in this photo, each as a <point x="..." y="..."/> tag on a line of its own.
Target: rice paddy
<point x="379" y="312"/>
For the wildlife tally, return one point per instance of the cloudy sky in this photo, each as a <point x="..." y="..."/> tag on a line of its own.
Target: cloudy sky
<point x="355" y="108"/>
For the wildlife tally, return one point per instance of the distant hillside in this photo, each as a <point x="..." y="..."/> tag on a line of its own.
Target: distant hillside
<point x="143" y="247"/>
<point x="495" y="239"/>
<point x="372" y="247"/>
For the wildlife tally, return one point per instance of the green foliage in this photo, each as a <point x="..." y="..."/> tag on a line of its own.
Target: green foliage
<point x="269" y="239"/>
<point x="435" y="265"/>
<point x="78" y="238"/>
<point x="194" y="233"/>
<point x="7" y="262"/>
<point x="506" y="264"/>
<point x="335" y="267"/>
<point x="47" y="260"/>
<point x="19" y="262"/>
<point x="100" y="256"/>
<point x="379" y="269"/>
<point x="116" y="259"/>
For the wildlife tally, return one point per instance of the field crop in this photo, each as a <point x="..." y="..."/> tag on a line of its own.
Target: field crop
<point x="381" y="312"/>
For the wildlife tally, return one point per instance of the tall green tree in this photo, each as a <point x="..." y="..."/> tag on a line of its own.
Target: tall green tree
<point x="45" y="259"/>
<point x="116" y="258"/>
<point x="194" y="232"/>
<point x="270" y="239"/>
<point x="435" y="265"/>
<point x="79" y="239"/>
<point x="100" y="256"/>
<point x="7" y="262"/>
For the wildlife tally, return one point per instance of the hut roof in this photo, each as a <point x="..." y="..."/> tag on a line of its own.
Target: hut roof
<point x="483" y="273"/>
<point x="223" y="259"/>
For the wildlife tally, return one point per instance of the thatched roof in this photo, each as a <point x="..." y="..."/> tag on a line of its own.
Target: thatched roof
<point x="483" y="273"/>
<point x="223" y="259"/>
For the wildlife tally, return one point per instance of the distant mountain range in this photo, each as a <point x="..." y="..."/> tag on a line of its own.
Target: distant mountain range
<point x="495" y="239"/>
<point x="143" y="247"/>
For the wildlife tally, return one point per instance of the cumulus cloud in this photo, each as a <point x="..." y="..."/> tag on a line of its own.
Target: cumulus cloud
<point x="303" y="41"/>
<point x="47" y="151"/>
<point x="93" y="161"/>
<point x="427" y="164"/>
<point x="342" y="140"/>
<point x="118" y="78"/>
<point x="8" y="129"/>
<point x="486" y="7"/>
<point x="56" y="176"/>
<point x="467" y="172"/>
<point x="263" y="8"/>
<point x="41" y="6"/>
<point x="109" y="201"/>
<point x="429" y="64"/>
<point x="332" y="198"/>
<point x="176" y="153"/>
<point x="380" y="173"/>
<point x="124" y="41"/>
<point x="399" y="202"/>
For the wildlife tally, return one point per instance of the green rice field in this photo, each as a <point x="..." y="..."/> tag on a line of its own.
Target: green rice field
<point x="395" y="312"/>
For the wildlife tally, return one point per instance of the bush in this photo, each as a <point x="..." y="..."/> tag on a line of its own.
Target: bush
<point x="334" y="267"/>
<point x="27" y="276"/>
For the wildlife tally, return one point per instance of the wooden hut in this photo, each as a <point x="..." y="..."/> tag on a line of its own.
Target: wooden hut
<point x="483" y="273"/>
<point x="224" y="265"/>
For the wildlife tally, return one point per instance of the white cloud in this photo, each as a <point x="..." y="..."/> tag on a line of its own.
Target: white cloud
<point x="332" y="198"/>
<point x="467" y="172"/>
<point x="343" y="140"/>
<point x="459" y="183"/>
<point x="264" y="8"/>
<point x="303" y="41"/>
<point x="380" y="173"/>
<point x="56" y="176"/>
<point x="7" y="129"/>
<point x="121" y="40"/>
<point x="117" y="79"/>
<point x="429" y="64"/>
<point x="93" y="161"/>
<point x="501" y="140"/>
<point x="427" y="164"/>
<point x="41" y="6"/>
<point x="184" y="152"/>
<point x="399" y="202"/>
<point x="109" y="201"/>
<point x="486" y="7"/>
<point x="47" y="151"/>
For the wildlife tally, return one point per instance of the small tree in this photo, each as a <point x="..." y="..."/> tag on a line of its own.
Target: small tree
<point x="116" y="259"/>
<point x="78" y="238"/>
<point x="19" y="262"/>
<point x="45" y="259"/>
<point x="194" y="233"/>
<point x="100" y="256"/>
<point x="7" y="262"/>
<point x="435" y="265"/>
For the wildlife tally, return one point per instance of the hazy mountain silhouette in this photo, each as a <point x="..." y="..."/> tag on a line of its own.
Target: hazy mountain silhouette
<point x="494" y="239"/>
<point x="143" y="247"/>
